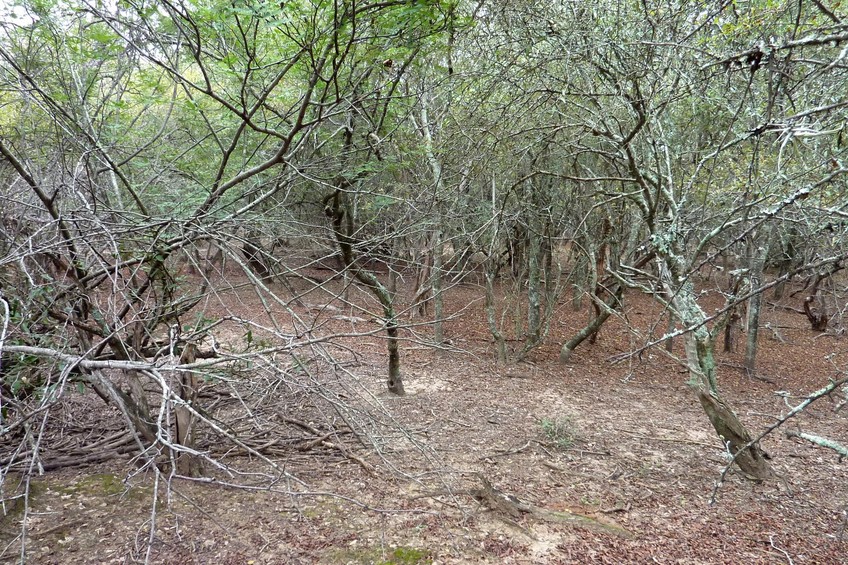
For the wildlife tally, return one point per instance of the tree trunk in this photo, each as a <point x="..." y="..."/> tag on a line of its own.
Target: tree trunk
<point x="438" y="297"/>
<point x="700" y="360"/>
<point x="106" y="390"/>
<point x="576" y="297"/>
<point x="815" y="306"/>
<point x="599" y="282"/>
<point x="598" y="313"/>
<point x="343" y="230"/>
<point x="604" y="312"/>
<point x="395" y="380"/>
<point x="731" y="329"/>
<point x="187" y="464"/>
<point x="669" y="343"/>
<point x="500" y="343"/>
<point x="788" y="258"/>
<point x="534" y="290"/>
<point x="752" y="459"/>
<point x="758" y="259"/>
<point x="593" y="326"/>
<point x="537" y="319"/>
<point x="252" y="251"/>
<point x="579" y="274"/>
<point x="435" y="283"/>
<point x="753" y="324"/>
<point x="423" y="279"/>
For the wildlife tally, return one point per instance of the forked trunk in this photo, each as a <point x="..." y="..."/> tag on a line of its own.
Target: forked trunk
<point x="614" y="292"/>
<point x="343" y="228"/>
<point x="592" y="327"/>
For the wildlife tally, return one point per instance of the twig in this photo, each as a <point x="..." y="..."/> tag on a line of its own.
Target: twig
<point x="60" y="527"/>
<point x="317" y="441"/>
<point x="821" y="441"/>
<point x="369" y="468"/>
<point x="505" y="452"/>
<point x="550" y="465"/>
<point x="783" y="551"/>
<point x="458" y="423"/>
<point x="606" y="453"/>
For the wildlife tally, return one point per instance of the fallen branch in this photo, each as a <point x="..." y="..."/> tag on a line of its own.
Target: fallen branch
<point x="99" y="451"/>
<point x="321" y="439"/>
<point x="505" y="452"/>
<point x="508" y="504"/>
<point x="821" y="441"/>
<point x="77" y="459"/>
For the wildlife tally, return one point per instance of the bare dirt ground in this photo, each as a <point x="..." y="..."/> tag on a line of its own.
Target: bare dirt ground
<point x="609" y="463"/>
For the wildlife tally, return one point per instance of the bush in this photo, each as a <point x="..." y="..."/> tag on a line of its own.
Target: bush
<point x="560" y="432"/>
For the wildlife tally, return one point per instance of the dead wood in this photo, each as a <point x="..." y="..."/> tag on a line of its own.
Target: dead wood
<point x="513" y="507"/>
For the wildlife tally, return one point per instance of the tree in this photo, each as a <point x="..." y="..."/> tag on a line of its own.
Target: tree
<point x="613" y="148"/>
<point x="137" y="134"/>
<point x="649" y="122"/>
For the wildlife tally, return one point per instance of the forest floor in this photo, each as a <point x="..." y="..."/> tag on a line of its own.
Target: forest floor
<point x="607" y="463"/>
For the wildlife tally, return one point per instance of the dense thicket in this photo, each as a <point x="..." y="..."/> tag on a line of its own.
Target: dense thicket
<point x="540" y="149"/>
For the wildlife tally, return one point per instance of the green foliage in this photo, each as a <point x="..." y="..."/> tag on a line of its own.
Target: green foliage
<point x="408" y="556"/>
<point x="21" y="375"/>
<point x="561" y="432"/>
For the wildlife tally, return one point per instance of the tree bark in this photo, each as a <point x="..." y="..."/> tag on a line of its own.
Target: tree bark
<point x="815" y="307"/>
<point x="534" y="289"/>
<point x="500" y="343"/>
<point x="187" y="464"/>
<point x="669" y="343"/>
<point x="438" y="297"/>
<point x="751" y="458"/>
<point x="255" y="256"/>
<point x="731" y="329"/>
<point x="593" y="326"/>
<point x="342" y="222"/>
<point x="758" y="259"/>
<point x="604" y="313"/>
<point x="700" y="360"/>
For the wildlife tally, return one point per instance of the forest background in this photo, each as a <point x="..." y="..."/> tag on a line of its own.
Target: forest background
<point x="223" y="221"/>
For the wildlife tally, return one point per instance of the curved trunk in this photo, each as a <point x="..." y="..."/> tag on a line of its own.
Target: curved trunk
<point x="343" y="228"/>
<point x="749" y="457"/>
<point x="593" y="327"/>
<point x="700" y="360"/>
<point x="815" y="306"/>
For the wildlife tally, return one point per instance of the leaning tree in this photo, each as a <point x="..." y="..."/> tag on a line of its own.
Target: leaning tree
<point x="711" y="129"/>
